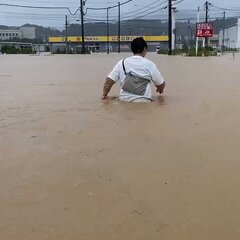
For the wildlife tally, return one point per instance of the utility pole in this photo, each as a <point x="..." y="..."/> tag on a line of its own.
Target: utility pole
<point x="66" y="36"/>
<point x="197" y="39"/>
<point x="82" y="26"/>
<point x="107" y="30"/>
<point x="223" y="39"/>
<point x="174" y="11"/>
<point x="169" y="27"/>
<point x="189" y="34"/>
<point x="119" y="27"/>
<point x="206" y="19"/>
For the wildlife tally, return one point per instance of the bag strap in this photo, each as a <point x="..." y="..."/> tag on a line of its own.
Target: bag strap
<point x="124" y="69"/>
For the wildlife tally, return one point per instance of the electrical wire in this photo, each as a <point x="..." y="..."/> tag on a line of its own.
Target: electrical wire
<point x="136" y="15"/>
<point x="133" y="13"/>
<point x="144" y="8"/>
<point x="40" y="7"/>
<point x="162" y="8"/>
<point x="129" y="16"/>
<point x="147" y="14"/>
<point x="105" y="8"/>
<point x="224" y="9"/>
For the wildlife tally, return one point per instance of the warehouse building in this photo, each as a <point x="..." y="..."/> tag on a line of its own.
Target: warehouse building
<point x="230" y="36"/>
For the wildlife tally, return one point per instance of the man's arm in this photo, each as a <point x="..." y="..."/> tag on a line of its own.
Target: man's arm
<point x="111" y="79"/>
<point x="158" y="81"/>
<point x="160" y="88"/>
<point x="107" y="87"/>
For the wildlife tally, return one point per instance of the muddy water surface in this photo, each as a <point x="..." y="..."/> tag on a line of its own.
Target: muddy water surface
<point x="72" y="167"/>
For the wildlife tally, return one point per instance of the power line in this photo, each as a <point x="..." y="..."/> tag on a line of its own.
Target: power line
<point x="147" y="14"/>
<point x="137" y="14"/>
<point x="192" y="16"/>
<point x="47" y="16"/>
<point x="225" y="9"/>
<point x="147" y="6"/>
<point x="178" y="2"/>
<point x="161" y="19"/>
<point x="157" y="10"/>
<point x="40" y="7"/>
<point x="131" y="15"/>
<point x="105" y="8"/>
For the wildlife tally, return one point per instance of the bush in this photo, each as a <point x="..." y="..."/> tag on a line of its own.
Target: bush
<point x="162" y="51"/>
<point x="191" y="52"/>
<point x="208" y="51"/>
<point x="10" y="50"/>
<point x="13" y="50"/>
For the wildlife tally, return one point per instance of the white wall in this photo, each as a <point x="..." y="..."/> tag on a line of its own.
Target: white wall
<point x="232" y="36"/>
<point x="28" y="32"/>
<point x="6" y="34"/>
<point x="238" y="34"/>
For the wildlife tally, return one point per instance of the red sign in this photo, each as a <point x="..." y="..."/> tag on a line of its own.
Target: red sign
<point x="204" y="30"/>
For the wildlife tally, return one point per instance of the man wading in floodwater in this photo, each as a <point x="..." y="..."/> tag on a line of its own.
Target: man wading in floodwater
<point x="135" y="75"/>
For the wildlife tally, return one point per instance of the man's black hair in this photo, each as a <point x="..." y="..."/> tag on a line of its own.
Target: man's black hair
<point x="138" y="45"/>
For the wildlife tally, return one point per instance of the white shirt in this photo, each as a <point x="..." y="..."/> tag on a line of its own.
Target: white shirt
<point x="138" y="66"/>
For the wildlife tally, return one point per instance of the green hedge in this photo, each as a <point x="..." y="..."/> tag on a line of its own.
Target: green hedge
<point x="14" y="50"/>
<point x="208" y="51"/>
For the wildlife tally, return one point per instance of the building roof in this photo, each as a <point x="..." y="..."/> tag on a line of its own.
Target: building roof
<point x="230" y="26"/>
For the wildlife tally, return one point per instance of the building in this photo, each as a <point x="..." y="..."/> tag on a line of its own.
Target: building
<point x="214" y="41"/>
<point x="41" y="48"/>
<point x="8" y="34"/>
<point x="229" y="37"/>
<point x="22" y="32"/>
<point x="28" y="32"/>
<point x="100" y="43"/>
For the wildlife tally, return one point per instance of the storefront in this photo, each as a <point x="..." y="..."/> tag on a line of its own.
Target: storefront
<point x="100" y="43"/>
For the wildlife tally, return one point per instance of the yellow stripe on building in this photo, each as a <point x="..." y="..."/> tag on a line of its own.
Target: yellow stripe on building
<point x="104" y="39"/>
<point x="156" y="38"/>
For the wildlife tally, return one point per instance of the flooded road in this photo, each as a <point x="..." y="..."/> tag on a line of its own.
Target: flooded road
<point x="73" y="167"/>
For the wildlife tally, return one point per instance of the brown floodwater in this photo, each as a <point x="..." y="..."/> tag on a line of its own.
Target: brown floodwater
<point x="75" y="168"/>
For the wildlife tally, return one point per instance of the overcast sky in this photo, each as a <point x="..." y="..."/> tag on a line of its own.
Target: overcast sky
<point x="13" y="16"/>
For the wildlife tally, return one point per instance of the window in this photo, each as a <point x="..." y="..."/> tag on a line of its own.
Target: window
<point x="10" y="34"/>
<point x="16" y="34"/>
<point x="3" y="34"/>
<point x="0" y="34"/>
<point x="6" y="34"/>
<point x="13" y="34"/>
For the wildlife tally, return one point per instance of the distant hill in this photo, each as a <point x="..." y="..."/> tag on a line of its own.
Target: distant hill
<point x="3" y="27"/>
<point x="143" y="27"/>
